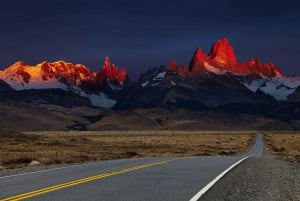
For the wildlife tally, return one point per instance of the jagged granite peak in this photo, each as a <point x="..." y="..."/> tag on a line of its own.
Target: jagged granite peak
<point x="254" y="66"/>
<point x="198" y="61"/>
<point x="173" y="66"/>
<point x="221" y="64"/>
<point x="184" y="70"/>
<point x="106" y="62"/>
<point x="222" y="55"/>
<point x="222" y="59"/>
<point x="111" y="72"/>
<point x="103" y="87"/>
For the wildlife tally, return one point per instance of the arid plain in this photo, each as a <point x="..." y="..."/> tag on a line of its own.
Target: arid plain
<point x="19" y="149"/>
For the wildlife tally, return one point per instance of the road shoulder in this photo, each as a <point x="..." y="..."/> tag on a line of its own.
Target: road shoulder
<point x="260" y="179"/>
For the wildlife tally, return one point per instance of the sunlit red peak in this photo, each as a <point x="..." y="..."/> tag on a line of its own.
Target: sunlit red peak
<point x="61" y="72"/>
<point x="183" y="70"/>
<point x="112" y="72"/>
<point x="20" y="63"/>
<point x="197" y="63"/>
<point x="106" y="62"/>
<point x="222" y="57"/>
<point x="254" y="61"/>
<point x="173" y="65"/>
<point x="222" y="54"/>
<point x="200" y="55"/>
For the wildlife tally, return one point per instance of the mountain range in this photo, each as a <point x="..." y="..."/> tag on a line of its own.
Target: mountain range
<point x="216" y="81"/>
<point x="212" y="80"/>
<point x="102" y="88"/>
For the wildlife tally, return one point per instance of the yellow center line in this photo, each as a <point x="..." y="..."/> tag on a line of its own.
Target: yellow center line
<point x="80" y="181"/>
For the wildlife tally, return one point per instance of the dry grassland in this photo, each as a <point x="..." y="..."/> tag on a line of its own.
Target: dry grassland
<point x="285" y="145"/>
<point x="20" y="149"/>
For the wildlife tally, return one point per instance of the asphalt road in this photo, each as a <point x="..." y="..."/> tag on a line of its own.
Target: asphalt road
<point x="139" y="179"/>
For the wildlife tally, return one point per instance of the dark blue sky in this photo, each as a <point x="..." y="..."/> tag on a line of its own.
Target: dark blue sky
<point x="138" y="35"/>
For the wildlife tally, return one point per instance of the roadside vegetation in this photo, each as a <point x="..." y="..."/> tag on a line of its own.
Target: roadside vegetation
<point x="19" y="149"/>
<point x="284" y="145"/>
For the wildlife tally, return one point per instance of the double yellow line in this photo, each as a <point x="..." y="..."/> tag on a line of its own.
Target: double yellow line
<point x="79" y="181"/>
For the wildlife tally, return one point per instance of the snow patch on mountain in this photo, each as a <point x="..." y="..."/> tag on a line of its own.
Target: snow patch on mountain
<point x="34" y="84"/>
<point x="278" y="91"/>
<point x="100" y="100"/>
<point x="292" y="82"/>
<point x="113" y="87"/>
<point x="160" y="76"/>
<point x="254" y="85"/>
<point x="154" y="84"/>
<point x="16" y="81"/>
<point x="214" y="69"/>
<point x="279" y="87"/>
<point x="76" y="78"/>
<point x="145" y="83"/>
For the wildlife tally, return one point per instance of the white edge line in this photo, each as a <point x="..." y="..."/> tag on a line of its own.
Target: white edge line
<point x="215" y="180"/>
<point x="48" y="170"/>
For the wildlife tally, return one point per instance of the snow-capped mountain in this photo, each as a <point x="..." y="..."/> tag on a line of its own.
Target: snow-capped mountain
<point x="267" y="78"/>
<point x="164" y="87"/>
<point x="210" y="80"/>
<point x="103" y="88"/>
<point x="220" y="64"/>
<point x="280" y="87"/>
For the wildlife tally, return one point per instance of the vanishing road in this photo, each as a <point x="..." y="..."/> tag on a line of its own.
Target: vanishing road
<point x="146" y="179"/>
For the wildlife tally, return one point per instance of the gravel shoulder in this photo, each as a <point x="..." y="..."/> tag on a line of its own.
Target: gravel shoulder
<point x="258" y="179"/>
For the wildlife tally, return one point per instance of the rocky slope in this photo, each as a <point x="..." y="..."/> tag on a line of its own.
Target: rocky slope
<point x="163" y="87"/>
<point x="4" y="87"/>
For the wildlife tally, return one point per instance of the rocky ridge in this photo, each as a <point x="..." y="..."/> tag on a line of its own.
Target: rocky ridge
<point x="103" y="88"/>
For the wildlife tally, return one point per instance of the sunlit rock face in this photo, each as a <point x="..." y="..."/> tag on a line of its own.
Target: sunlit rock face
<point x="109" y="82"/>
<point x="111" y="72"/>
<point x="173" y="66"/>
<point x="221" y="64"/>
<point x="22" y="76"/>
<point x="222" y="55"/>
<point x="198" y="61"/>
<point x="221" y="58"/>
<point x="254" y="66"/>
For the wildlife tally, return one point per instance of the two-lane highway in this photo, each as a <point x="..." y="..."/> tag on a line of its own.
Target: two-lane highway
<point x="258" y="147"/>
<point x="146" y="179"/>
